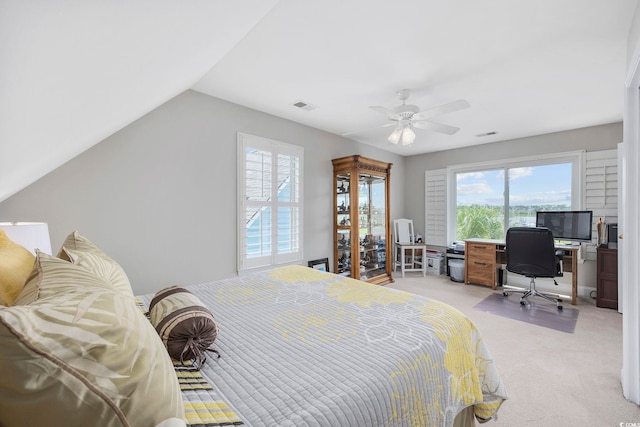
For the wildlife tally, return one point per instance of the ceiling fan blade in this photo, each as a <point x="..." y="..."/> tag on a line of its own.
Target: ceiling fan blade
<point x="384" y="110"/>
<point x="450" y="107"/>
<point x="366" y="130"/>
<point x="437" y="127"/>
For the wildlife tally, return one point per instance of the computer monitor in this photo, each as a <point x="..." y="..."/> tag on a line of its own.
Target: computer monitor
<point x="567" y="225"/>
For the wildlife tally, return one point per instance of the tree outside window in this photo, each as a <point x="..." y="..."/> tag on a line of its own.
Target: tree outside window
<point x="490" y="201"/>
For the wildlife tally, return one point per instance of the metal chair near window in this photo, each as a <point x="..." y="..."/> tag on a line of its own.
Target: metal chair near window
<point x="407" y="254"/>
<point x="531" y="252"/>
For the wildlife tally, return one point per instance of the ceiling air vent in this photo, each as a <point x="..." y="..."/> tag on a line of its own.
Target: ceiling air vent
<point x="480" y="135"/>
<point x="304" y="105"/>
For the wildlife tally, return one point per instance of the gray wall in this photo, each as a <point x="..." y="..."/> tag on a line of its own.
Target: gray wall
<point x="159" y="196"/>
<point x="594" y="138"/>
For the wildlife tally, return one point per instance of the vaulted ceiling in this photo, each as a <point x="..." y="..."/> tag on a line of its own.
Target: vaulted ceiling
<point x="74" y="72"/>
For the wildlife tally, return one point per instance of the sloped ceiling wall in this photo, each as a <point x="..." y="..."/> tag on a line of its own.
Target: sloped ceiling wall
<point x="72" y="72"/>
<point x="75" y="71"/>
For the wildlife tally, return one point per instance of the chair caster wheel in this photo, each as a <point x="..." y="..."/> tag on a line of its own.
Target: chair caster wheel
<point x="523" y="303"/>
<point x="559" y="307"/>
<point x="505" y="294"/>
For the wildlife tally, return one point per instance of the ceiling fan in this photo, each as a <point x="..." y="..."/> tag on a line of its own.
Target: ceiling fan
<point x="407" y="116"/>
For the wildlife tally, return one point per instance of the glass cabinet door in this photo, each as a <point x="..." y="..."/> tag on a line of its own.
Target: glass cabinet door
<point x="361" y="219"/>
<point x="372" y="225"/>
<point x="343" y="222"/>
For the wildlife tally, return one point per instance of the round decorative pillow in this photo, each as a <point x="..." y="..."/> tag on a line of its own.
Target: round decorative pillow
<point x="185" y="325"/>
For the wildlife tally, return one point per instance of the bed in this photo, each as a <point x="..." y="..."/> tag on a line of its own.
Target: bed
<point x="301" y="347"/>
<point x="298" y="347"/>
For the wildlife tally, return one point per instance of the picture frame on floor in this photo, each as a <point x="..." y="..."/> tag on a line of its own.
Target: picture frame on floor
<point x="321" y="264"/>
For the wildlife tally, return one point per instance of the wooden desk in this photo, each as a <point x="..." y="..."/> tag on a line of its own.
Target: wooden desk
<point x="483" y="256"/>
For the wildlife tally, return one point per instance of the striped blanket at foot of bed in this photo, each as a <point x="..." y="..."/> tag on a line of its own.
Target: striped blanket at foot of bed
<point x="201" y="406"/>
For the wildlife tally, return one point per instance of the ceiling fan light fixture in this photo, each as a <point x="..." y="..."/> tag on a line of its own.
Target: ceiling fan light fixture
<point x="402" y="135"/>
<point x="394" y="138"/>
<point x="408" y="136"/>
<point x="407" y="116"/>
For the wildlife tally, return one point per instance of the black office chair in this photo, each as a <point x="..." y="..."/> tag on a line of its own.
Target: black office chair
<point x="531" y="252"/>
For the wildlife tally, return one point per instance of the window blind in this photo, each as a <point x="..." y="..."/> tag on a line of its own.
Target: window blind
<point x="269" y="202"/>
<point x="435" y="211"/>
<point x="600" y="190"/>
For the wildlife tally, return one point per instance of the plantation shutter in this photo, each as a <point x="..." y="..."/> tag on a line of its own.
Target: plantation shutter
<point x="601" y="190"/>
<point x="435" y="210"/>
<point x="269" y="202"/>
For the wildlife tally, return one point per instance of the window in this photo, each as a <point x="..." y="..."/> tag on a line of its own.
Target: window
<point x="488" y="199"/>
<point x="269" y="202"/>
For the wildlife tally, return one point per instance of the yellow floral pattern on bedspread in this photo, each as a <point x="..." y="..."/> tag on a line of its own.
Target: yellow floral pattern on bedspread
<point x="459" y="357"/>
<point x="360" y="354"/>
<point x="248" y="293"/>
<point x="364" y="294"/>
<point x="409" y="402"/>
<point x="407" y="322"/>
<point x="292" y="275"/>
<point x="313" y="324"/>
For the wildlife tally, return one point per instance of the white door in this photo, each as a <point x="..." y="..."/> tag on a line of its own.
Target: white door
<point x="628" y="245"/>
<point x="621" y="205"/>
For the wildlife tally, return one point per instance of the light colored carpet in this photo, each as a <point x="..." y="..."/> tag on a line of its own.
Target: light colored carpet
<point x="552" y="378"/>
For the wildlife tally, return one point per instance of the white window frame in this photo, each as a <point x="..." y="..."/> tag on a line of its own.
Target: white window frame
<point x="576" y="158"/>
<point x="275" y="148"/>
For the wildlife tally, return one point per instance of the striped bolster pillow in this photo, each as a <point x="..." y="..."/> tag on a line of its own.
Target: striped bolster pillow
<point x="185" y="325"/>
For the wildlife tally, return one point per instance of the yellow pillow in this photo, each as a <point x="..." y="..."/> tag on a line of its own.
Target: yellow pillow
<point x="15" y="266"/>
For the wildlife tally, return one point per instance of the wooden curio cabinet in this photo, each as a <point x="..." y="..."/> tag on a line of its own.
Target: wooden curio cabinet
<point x="361" y="218"/>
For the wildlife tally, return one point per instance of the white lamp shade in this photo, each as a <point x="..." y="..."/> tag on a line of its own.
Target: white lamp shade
<point x="31" y="235"/>
<point x="394" y="138"/>
<point x="408" y="136"/>
<point x="402" y="135"/>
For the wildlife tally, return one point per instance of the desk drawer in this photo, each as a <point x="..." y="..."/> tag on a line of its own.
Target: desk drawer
<point x="480" y="263"/>
<point x="480" y="273"/>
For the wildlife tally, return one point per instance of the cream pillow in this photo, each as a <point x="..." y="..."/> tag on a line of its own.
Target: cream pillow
<point x="81" y="354"/>
<point x="48" y="280"/>
<point x="81" y="251"/>
<point x="16" y="263"/>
